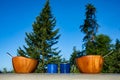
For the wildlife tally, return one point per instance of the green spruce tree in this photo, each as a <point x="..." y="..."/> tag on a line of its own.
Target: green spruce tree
<point x="117" y="56"/>
<point x="103" y="44"/>
<point x="73" y="56"/>
<point x="40" y="42"/>
<point x="112" y="62"/>
<point x="89" y="28"/>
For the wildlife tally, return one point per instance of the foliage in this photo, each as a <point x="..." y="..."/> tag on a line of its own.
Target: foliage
<point x="74" y="55"/>
<point x="40" y="42"/>
<point x="90" y="27"/>
<point x="5" y="70"/>
<point x="64" y="60"/>
<point x="112" y="62"/>
<point x="101" y="46"/>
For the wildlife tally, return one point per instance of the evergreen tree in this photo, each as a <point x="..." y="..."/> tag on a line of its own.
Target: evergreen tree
<point x="102" y="45"/>
<point x="117" y="56"/>
<point x="40" y="42"/>
<point x="112" y="62"/>
<point x="5" y="70"/>
<point x="89" y="28"/>
<point x="117" y="45"/>
<point x="73" y="56"/>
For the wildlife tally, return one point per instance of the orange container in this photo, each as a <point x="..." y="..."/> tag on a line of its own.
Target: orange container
<point x="90" y="64"/>
<point x="23" y="64"/>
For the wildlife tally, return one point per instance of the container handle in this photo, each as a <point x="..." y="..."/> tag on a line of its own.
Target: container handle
<point x="108" y="54"/>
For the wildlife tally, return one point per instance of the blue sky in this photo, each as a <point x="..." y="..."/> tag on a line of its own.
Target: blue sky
<point x="17" y="16"/>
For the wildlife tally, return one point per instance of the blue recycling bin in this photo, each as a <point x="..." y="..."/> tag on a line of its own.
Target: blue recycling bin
<point x="65" y="68"/>
<point x="52" y="68"/>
